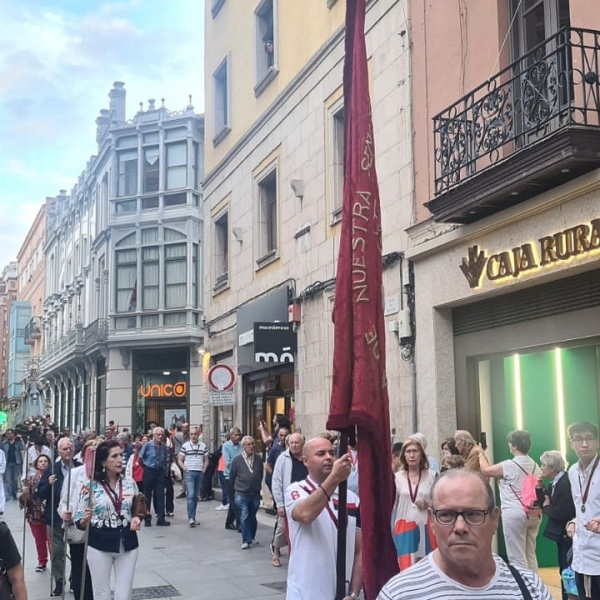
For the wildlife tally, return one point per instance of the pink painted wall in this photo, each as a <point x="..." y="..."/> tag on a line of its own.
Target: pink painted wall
<point x="456" y="46"/>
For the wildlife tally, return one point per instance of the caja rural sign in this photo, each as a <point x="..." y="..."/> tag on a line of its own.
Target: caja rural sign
<point x="561" y="246"/>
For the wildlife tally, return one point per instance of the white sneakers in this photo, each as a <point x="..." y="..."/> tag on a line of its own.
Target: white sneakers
<point x="222" y="507"/>
<point x="192" y="523"/>
<point x="245" y="546"/>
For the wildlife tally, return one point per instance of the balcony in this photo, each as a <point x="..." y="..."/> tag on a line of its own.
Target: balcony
<point x="33" y="331"/>
<point x="528" y="129"/>
<point x="66" y="347"/>
<point x="96" y="333"/>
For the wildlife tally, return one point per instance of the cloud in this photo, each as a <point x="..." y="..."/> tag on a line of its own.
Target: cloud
<point x="58" y="60"/>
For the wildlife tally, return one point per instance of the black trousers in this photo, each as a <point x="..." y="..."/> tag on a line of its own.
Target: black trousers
<point x="169" y="495"/>
<point x="233" y="517"/>
<point x="154" y="488"/>
<point x="76" y="551"/>
<point x="595" y="587"/>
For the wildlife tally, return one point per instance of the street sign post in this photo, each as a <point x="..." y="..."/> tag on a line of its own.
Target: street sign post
<point x="221" y="378"/>
<point x="221" y="398"/>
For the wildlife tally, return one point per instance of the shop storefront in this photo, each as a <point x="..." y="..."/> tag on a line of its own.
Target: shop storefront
<point x="265" y="360"/>
<point x="160" y="387"/>
<point x="508" y="320"/>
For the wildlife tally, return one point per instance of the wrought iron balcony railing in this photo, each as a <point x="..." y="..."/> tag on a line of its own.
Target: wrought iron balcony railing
<point x="33" y="331"/>
<point x="552" y="87"/>
<point x="96" y="332"/>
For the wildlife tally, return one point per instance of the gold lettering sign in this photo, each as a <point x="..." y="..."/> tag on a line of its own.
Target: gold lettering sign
<point x="558" y="247"/>
<point x="163" y="390"/>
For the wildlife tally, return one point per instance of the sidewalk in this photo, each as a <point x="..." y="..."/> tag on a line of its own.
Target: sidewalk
<point x="180" y="562"/>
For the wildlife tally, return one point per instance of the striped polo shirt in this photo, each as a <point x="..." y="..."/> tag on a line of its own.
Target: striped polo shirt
<point x="193" y="455"/>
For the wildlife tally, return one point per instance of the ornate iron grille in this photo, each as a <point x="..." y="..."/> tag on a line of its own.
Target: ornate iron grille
<point x="553" y="86"/>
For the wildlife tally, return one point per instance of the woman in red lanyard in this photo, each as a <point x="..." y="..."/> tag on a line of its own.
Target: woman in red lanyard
<point x="112" y="542"/>
<point x="34" y="511"/>
<point x="411" y="526"/>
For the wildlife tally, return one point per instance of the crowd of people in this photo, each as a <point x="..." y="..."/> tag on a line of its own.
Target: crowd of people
<point x="444" y="516"/>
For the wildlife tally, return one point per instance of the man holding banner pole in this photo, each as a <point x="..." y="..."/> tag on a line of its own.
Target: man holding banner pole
<point x="359" y="396"/>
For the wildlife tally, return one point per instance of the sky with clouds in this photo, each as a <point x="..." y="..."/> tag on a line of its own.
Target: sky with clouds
<point x="58" y="61"/>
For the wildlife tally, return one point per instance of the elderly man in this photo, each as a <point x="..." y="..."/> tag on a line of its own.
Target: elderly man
<point x="154" y="457"/>
<point x="311" y="507"/>
<point x="465" y="519"/>
<point x="49" y="489"/>
<point x="193" y="460"/>
<point x="468" y="449"/>
<point x="246" y="475"/>
<point x="289" y="468"/>
<point x="584" y="477"/>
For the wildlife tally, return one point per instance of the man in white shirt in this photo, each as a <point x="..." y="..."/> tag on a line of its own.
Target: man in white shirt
<point x="584" y="477"/>
<point x="33" y="451"/>
<point x="311" y="506"/>
<point x="193" y="459"/>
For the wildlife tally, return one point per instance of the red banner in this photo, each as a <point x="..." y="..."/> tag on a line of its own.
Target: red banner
<point x="359" y="390"/>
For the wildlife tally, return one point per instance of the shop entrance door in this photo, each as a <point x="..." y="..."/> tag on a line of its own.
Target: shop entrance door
<point x="542" y="392"/>
<point x="166" y="412"/>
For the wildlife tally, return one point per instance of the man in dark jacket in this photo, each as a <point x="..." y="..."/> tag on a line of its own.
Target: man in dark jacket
<point x="49" y="489"/>
<point x="246" y="475"/>
<point x="13" y="448"/>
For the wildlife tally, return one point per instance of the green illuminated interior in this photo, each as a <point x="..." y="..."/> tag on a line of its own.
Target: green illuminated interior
<point x="542" y="392"/>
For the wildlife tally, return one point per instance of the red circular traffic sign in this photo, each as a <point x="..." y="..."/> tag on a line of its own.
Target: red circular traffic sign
<point x="221" y="378"/>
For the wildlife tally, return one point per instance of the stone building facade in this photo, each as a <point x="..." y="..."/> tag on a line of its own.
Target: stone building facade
<point x="273" y="188"/>
<point x="123" y="306"/>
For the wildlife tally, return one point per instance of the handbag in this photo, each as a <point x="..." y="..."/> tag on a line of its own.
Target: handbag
<point x="5" y="586"/>
<point x="75" y="535"/>
<point x="139" y="506"/>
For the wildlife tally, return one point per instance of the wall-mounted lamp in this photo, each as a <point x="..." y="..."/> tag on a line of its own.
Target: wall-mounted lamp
<point x="297" y="186"/>
<point x="238" y="234"/>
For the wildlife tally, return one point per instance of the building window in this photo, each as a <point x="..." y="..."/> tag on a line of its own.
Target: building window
<point x="336" y="162"/>
<point x="176" y="166"/>
<point x="126" y="297"/>
<point x="126" y="206"/>
<point x="267" y="219"/>
<point x="221" y="88"/>
<point x="128" y="167"/>
<point x="150" y="277"/>
<point x="266" y="46"/>
<point x="195" y="294"/>
<point x="149" y="203"/>
<point x="175" y="275"/>
<point x="222" y="250"/>
<point x="151" y="169"/>
<point x="175" y="199"/>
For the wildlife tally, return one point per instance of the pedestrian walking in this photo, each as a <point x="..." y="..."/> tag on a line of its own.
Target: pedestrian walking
<point x="193" y="459"/>
<point x="34" y="508"/>
<point x="154" y="457"/>
<point x="107" y="508"/>
<point x="13" y="448"/>
<point x="246" y="479"/>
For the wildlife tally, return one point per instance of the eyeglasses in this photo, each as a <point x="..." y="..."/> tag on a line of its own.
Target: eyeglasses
<point x="588" y="439"/>
<point x="471" y="517"/>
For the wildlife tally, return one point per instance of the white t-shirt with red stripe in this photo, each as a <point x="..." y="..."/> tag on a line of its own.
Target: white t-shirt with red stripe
<point x="313" y="546"/>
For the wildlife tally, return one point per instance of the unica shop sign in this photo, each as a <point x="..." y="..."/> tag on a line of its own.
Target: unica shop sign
<point x="163" y="390"/>
<point x="548" y="250"/>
